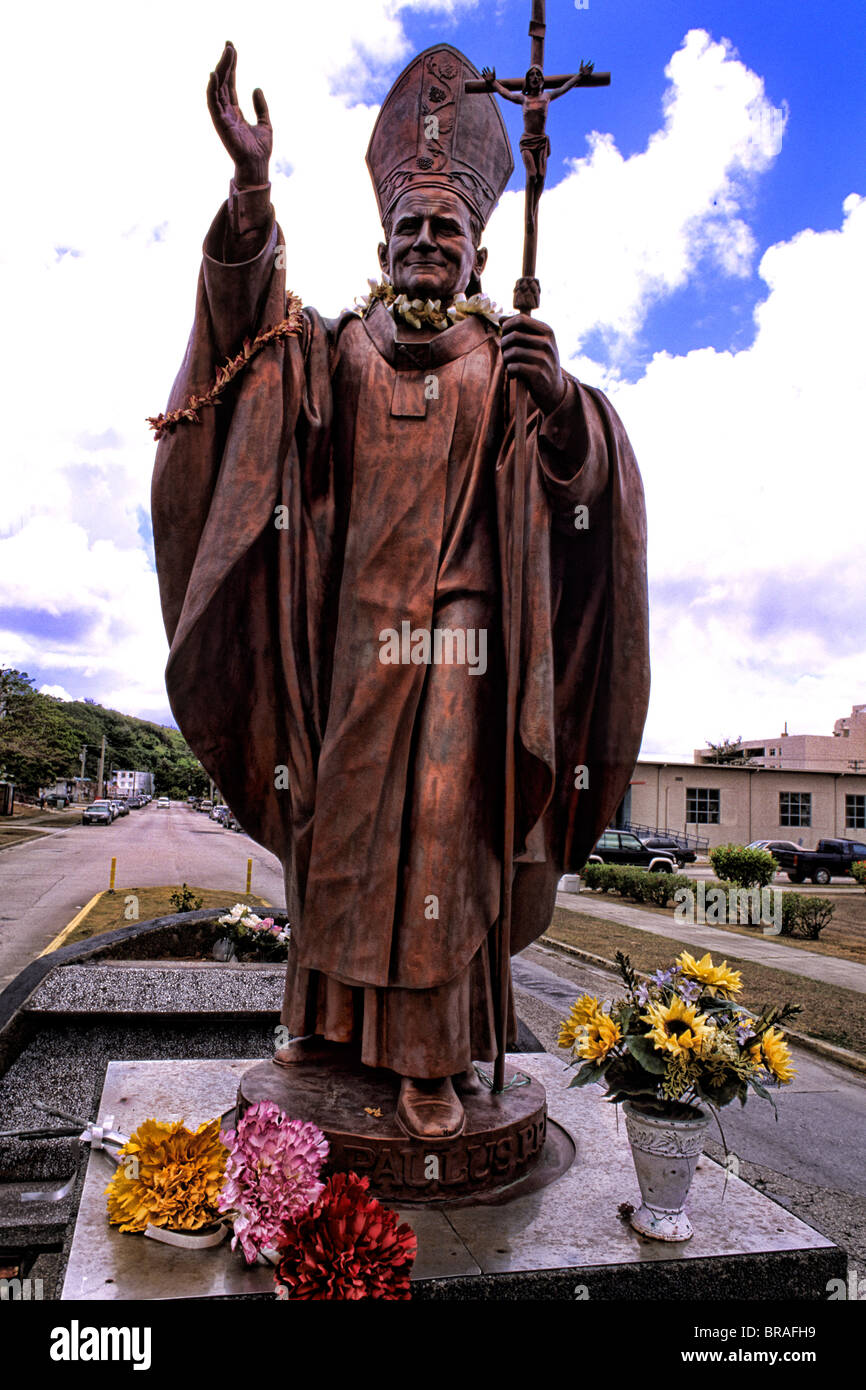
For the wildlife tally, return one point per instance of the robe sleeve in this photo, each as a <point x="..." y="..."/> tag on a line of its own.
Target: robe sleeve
<point x="573" y="454"/>
<point x="234" y="586"/>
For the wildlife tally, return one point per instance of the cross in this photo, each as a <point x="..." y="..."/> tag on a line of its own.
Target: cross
<point x="527" y="92"/>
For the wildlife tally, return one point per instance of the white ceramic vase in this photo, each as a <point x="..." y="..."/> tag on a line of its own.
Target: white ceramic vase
<point x="666" y="1143"/>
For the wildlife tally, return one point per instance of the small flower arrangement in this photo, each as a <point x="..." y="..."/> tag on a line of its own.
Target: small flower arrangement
<point x="679" y="1038"/>
<point x="347" y="1247"/>
<point x="272" y="1175"/>
<point x="328" y="1240"/>
<point x="261" y="936"/>
<point x="168" y="1176"/>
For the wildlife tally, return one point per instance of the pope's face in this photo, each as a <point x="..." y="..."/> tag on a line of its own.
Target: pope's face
<point x="431" y="254"/>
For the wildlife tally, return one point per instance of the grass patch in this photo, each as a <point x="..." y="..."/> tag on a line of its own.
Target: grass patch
<point x="830" y="1013"/>
<point x="18" y="835"/>
<point x="109" y="911"/>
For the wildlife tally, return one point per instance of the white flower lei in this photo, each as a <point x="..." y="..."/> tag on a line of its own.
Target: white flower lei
<point x="418" y="312"/>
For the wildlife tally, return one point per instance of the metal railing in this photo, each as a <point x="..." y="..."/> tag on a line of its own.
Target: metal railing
<point x="699" y="843"/>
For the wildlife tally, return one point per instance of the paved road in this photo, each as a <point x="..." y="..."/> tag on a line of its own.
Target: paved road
<point x="44" y="882"/>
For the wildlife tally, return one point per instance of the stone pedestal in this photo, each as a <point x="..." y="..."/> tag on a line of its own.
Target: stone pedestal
<point x="565" y="1241"/>
<point x="501" y="1154"/>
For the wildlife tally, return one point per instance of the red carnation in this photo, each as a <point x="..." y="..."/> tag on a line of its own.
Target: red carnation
<point x="348" y="1247"/>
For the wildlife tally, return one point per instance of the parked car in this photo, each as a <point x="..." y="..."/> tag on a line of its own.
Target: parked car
<point x="772" y="845"/>
<point x="832" y="858"/>
<point x="120" y="808"/>
<point x="206" y="806"/>
<point x="163" y="804"/>
<point x="681" y="852"/>
<point x="97" y="813"/>
<point x="624" y="847"/>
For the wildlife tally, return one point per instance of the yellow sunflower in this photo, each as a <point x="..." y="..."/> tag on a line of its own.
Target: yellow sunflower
<point x="676" y="1027"/>
<point x="168" y="1176"/>
<point x="600" y="1034"/>
<point x="772" y="1052"/>
<point x="713" y="977"/>
<point x="582" y="1012"/>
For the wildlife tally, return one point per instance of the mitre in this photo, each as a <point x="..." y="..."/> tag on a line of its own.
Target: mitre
<point x="431" y="132"/>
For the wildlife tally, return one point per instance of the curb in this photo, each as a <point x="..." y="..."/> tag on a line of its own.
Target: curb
<point x="70" y="926"/>
<point x="829" y="1051"/>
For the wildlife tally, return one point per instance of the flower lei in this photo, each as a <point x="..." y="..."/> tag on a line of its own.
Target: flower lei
<point x="419" y="312"/>
<point x="416" y="312"/>
<point x="289" y="327"/>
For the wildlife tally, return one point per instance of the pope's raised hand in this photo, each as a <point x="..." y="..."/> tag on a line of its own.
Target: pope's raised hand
<point x="529" y="352"/>
<point x="249" y="145"/>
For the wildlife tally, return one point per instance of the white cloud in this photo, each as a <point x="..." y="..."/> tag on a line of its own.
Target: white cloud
<point x="753" y="469"/>
<point x="618" y="234"/>
<point x="57" y="691"/>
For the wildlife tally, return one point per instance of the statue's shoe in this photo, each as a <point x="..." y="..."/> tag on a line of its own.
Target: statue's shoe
<point x="468" y="1083"/>
<point x="430" y="1109"/>
<point x="306" y="1050"/>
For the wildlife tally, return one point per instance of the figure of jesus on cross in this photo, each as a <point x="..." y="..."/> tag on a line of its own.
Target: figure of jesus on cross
<point x="535" y="142"/>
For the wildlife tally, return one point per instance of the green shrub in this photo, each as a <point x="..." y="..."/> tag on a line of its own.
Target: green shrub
<point x="859" y="872"/>
<point x="594" y="876"/>
<point x="184" y="900"/>
<point x="744" y="868"/>
<point x="789" y="913"/>
<point x="661" y="888"/>
<point x="812" y="915"/>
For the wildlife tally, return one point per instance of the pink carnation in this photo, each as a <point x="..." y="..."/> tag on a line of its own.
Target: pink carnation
<point x="271" y="1175"/>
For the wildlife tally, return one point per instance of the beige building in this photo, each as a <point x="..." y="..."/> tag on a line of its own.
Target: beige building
<point x="725" y="803"/>
<point x="842" y="751"/>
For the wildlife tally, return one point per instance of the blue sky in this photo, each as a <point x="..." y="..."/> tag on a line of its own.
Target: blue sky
<point x="702" y="247"/>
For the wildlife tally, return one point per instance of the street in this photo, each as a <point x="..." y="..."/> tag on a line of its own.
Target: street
<point x="44" y="882"/>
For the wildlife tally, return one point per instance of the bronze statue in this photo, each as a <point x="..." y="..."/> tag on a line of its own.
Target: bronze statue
<point x="333" y="544"/>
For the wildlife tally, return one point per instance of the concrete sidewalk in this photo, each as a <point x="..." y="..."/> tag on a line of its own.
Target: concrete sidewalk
<point x="766" y="950"/>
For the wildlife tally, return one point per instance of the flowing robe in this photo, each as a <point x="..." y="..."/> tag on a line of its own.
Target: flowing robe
<point x="347" y="487"/>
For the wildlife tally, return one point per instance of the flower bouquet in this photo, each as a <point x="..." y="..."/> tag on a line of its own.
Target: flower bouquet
<point x="673" y="1042"/>
<point x="261" y="1181"/>
<point x="250" y="935"/>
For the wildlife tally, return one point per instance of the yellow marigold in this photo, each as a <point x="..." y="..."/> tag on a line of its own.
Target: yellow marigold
<point x="676" y="1027"/>
<point x="599" y="1036"/>
<point x="582" y="1012"/>
<point x="168" y="1175"/>
<point x="714" y="977"/>
<point x="772" y="1052"/>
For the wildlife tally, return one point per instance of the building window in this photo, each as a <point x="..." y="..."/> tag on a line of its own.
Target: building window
<point x="795" y="808"/>
<point x="855" y="812"/>
<point x="702" y="805"/>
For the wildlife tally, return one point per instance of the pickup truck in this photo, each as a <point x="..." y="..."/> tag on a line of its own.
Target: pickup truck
<point x="831" y="859"/>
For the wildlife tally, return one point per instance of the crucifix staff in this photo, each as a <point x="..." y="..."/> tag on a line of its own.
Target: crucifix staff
<point x="529" y="93"/>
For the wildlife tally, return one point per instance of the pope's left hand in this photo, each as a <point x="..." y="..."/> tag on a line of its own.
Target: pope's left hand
<point x="529" y="352"/>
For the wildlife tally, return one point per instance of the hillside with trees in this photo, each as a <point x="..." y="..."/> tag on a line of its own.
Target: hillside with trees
<point x="41" y="739"/>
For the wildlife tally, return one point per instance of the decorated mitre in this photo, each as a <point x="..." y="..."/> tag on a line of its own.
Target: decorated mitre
<point x="431" y="132"/>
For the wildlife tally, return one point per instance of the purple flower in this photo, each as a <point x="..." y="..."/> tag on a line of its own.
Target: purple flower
<point x="271" y="1175"/>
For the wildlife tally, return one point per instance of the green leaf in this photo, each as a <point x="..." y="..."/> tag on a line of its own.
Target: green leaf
<point x="588" y="1073"/>
<point x="643" y="1052"/>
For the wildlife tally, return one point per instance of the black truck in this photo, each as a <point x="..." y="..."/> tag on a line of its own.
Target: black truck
<point x="832" y="859"/>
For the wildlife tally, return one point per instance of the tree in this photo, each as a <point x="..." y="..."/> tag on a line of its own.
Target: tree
<point x="728" y="751"/>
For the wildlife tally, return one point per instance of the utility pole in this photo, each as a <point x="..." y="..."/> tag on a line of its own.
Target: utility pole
<point x="99" y="775"/>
